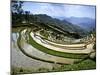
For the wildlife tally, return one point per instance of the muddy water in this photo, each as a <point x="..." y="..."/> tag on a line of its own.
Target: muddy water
<point x="18" y="59"/>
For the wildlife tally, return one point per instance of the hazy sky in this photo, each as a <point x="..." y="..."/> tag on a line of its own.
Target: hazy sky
<point x="60" y="10"/>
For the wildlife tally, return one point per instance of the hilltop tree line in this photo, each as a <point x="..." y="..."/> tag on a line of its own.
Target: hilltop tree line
<point x="18" y="14"/>
<point x="20" y="17"/>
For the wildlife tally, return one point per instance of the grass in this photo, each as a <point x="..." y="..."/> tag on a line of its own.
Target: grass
<point x="56" y="53"/>
<point x="33" y="57"/>
<point x="44" y="33"/>
<point x="85" y="65"/>
<point x="20" y="70"/>
<point x="18" y="43"/>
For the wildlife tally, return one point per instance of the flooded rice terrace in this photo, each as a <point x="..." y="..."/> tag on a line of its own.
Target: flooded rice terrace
<point x="42" y="42"/>
<point x="18" y="59"/>
<point x="25" y="55"/>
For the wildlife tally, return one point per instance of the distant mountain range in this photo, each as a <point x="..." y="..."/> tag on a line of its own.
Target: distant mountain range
<point x="84" y="22"/>
<point x="73" y="27"/>
<point x="63" y="25"/>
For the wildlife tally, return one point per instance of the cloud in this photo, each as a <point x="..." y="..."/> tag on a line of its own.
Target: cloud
<point x="60" y="10"/>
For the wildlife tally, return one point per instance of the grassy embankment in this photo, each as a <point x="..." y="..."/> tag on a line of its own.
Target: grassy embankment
<point x="56" y="53"/>
<point x="84" y="65"/>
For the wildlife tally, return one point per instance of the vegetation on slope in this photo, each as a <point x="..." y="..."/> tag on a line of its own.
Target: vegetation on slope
<point x="56" y="53"/>
<point x="85" y="65"/>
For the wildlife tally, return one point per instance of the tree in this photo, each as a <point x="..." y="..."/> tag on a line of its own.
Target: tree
<point x="27" y="16"/>
<point x="17" y="7"/>
<point x="17" y="11"/>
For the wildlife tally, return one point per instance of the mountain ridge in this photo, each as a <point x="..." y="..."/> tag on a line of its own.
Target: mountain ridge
<point x="84" y="22"/>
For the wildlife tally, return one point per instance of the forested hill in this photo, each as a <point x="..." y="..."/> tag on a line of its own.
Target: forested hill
<point x="64" y="25"/>
<point x="61" y="25"/>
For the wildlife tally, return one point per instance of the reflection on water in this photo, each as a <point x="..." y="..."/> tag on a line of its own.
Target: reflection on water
<point x="14" y="40"/>
<point x="30" y="50"/>
<point x="21" y="60"/>
<point x="15" y="36"/>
